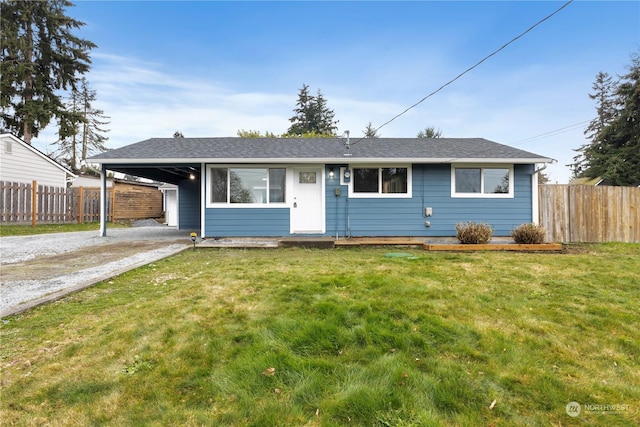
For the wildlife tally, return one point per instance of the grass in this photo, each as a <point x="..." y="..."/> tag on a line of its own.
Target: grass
<point x="26" y="230"/>
<point x="353" y="337"/>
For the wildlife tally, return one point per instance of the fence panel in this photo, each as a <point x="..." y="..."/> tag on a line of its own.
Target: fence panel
<point x="582" y="213"/>
<point x="53" y="205"/>
<point x="15" y="202"/>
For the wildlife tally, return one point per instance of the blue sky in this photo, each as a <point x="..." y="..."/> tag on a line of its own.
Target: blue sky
<point x="210" y="68"/>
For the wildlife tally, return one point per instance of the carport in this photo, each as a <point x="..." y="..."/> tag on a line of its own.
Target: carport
<point x="171" y="173"/>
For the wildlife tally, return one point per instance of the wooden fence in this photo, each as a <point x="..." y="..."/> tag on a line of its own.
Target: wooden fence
<point x="583" y="213"/>
<point x="22" y="203"/>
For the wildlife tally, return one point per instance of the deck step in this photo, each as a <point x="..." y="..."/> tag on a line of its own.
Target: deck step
<point x="306" y="242"/>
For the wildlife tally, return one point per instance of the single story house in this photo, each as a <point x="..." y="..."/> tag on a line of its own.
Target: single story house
<point x="22" y="163"/>
<point x="275" y="187"/>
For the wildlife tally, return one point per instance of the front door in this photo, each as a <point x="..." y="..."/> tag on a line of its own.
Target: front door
<point x="307" y="210"/>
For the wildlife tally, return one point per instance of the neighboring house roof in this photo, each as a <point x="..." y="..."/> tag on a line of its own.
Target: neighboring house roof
<point x="598" y="181"/>
<point x="228" y="150"/>
<point x="586" y="181"/>
<point x="35" y="151"/>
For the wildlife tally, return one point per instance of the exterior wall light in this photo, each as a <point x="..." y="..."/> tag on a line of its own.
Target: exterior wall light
<point x="332" y="174"/>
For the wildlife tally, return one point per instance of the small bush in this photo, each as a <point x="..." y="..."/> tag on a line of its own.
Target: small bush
<point x="529" y="234"/>
<point x="473" y="233"/>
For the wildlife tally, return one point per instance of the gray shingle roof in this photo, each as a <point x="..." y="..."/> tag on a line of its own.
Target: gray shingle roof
<point x="166" y="150"/>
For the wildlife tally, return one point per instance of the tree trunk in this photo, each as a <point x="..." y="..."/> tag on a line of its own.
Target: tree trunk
<point x="28" y="92"/>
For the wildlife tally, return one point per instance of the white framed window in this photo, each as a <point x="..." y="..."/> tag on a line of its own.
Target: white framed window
<point x="249" y="186"/>
<point x="482" y="181"/>
<point x="392" y="181"/>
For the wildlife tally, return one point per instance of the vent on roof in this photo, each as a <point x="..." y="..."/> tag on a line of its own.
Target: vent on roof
<point x="347" y="144"/>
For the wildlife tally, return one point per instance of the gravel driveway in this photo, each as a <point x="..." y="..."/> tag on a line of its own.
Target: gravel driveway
<point x="41" y="268"/>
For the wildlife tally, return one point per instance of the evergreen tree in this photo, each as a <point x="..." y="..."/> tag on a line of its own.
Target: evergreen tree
<point x="80" y="127"/>
<point x="604" y="88"/>
<point x="312" y="115"/>
<point x="614" y="151"/>
<point x="40" y="58"/>
<point x="429" y="132"/>
<point x="370" y="131"/>
<point x="255" y="134"/>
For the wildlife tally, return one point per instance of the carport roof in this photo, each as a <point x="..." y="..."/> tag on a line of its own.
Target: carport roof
<point x="193" y="151"/>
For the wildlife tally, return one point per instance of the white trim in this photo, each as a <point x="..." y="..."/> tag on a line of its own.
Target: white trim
<point x="227" y="205"/>
<point x="203" y="195"/>
<point x="379" y="194"/>
<point x="535" y="202"/>
<point x="322" y="160"/>
<point x="482" y="195"/>
<point x="103" y="202"/>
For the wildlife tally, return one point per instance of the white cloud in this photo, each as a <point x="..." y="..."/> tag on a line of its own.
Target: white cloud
<point x="145" y="99"/>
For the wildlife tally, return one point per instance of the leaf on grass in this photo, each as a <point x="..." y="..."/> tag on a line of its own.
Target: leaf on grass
<point x="277" y="391"/>
<point x="493" y="404"/>
<point x="269" y="372"/>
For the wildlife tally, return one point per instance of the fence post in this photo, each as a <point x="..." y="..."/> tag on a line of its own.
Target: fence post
<point x="113" y="202"/>
<point x="80" y="206"/>
<point x="34" y="198"/>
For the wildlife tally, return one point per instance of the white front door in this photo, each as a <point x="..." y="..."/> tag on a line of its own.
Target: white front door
<point x="307" y="209"/>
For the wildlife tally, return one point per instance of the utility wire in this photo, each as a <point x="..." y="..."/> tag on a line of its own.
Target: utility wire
<point x="472" y="67"/>
<point x="550" y="133"/>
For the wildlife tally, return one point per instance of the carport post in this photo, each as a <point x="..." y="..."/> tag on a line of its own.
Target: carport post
<point x="103" y="201"/>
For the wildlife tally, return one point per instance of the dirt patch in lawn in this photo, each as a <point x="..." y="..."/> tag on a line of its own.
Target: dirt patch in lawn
<point x="48" y="267"/>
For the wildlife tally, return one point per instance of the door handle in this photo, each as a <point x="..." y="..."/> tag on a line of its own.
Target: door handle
<point x="295" y="204"/>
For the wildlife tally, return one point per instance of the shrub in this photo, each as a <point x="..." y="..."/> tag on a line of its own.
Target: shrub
<point x="531" y="234"/>
<point x="473" y="233"/>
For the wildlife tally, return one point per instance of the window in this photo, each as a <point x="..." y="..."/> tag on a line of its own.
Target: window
<point x="381" y="182"/>
<point x="480" y="181"/>
<point x="252" y="186"/>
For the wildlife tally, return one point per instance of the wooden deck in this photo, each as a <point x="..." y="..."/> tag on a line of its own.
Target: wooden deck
<point x="380" y="241"/>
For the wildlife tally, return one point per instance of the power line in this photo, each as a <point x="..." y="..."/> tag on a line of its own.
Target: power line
<point x="550" y="133"/>
<point x="472" y="67"/>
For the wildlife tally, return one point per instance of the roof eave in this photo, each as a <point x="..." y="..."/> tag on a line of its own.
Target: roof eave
<point x="316" y="160"/>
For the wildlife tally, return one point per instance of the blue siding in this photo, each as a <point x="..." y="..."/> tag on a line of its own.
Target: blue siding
<point x="189" y="205"/>
<point x="248" y="222"/>
<point x="386" y="217"/>
<point x="431" y="188"/>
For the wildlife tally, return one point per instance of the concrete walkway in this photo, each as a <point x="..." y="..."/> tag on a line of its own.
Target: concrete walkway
<point x="42" y="268"/>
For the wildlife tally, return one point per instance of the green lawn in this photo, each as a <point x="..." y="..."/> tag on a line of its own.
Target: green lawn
<point x="26" y="230"/>
<point x="295" y="337"/>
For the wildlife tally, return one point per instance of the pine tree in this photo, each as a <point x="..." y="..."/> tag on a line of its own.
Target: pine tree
<point x="603" y="94"/>
<point x="429" y="132"/>
<point x="40" y="58"/>
<point x="370" y="131"/>
<point x="614" y="151"/>
<point x="312" y="116"/>
<point x="81" y="132"/>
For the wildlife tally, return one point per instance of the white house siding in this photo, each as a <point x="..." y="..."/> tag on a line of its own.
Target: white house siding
<point x="21" y="163"/>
